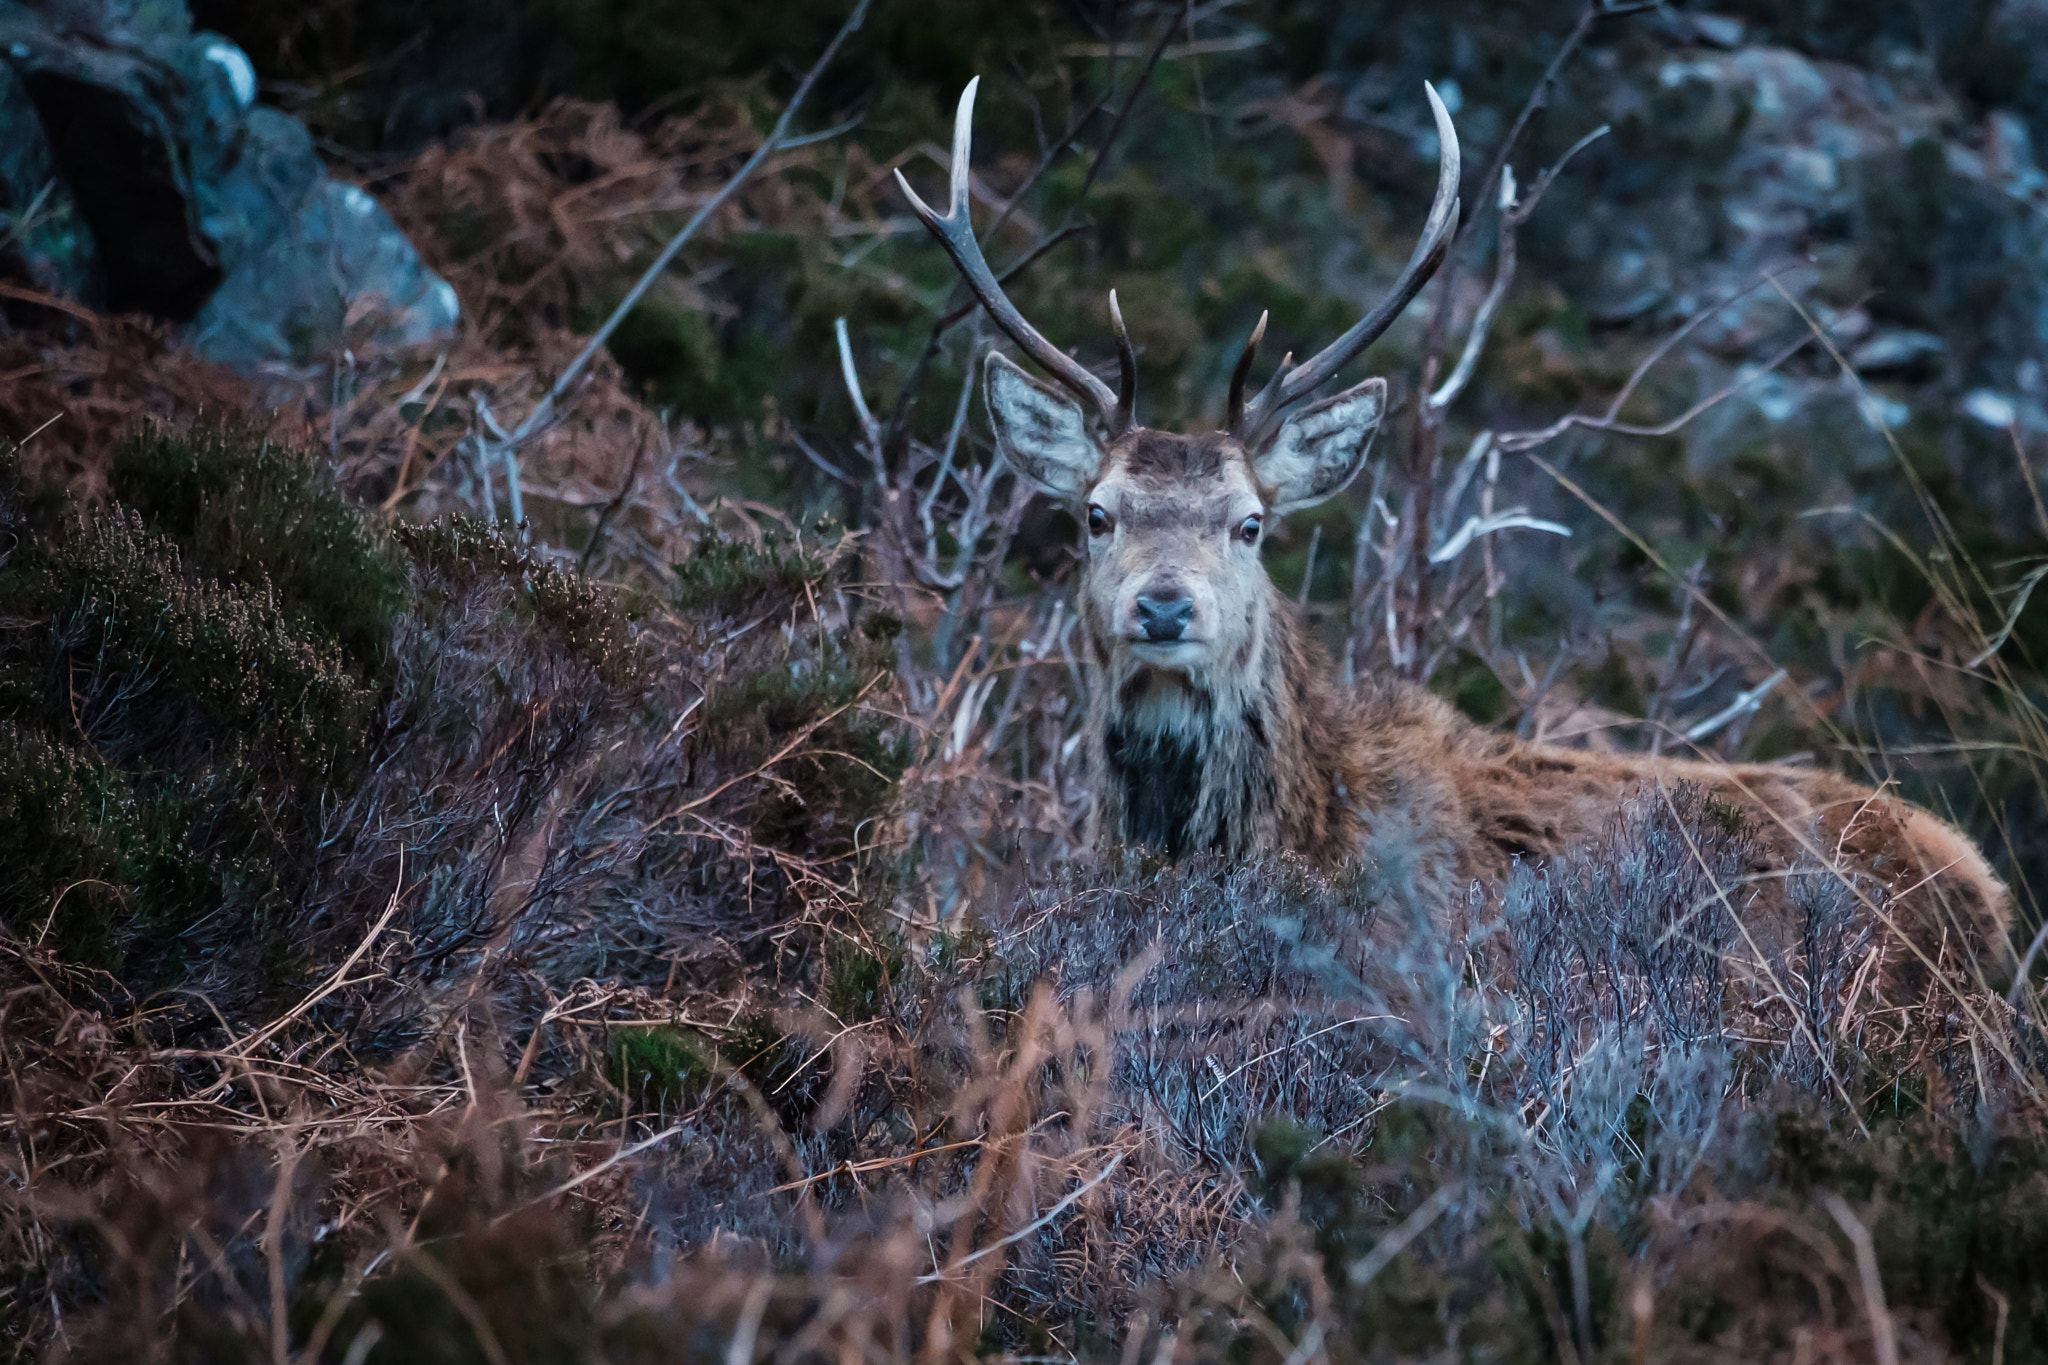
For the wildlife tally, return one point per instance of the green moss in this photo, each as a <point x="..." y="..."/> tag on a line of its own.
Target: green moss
<point x="669" y="1067"/>
<point x="857" y="979"/>
<point x="522" y="1270"/>
<point x="638" y="50"/>
<point x="660" y="1067"/>
<point x="1726" y="814"/>
<point x="1951" y="1216"/>
<point x="805" y="686"/>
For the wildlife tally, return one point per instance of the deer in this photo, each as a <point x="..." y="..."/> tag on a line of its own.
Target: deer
<point x="1214" y="723"/>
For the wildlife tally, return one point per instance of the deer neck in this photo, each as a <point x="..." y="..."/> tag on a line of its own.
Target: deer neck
<point x="1189" y="765"/>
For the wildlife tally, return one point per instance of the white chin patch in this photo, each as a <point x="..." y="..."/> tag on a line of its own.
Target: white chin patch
<point x="1180" y="656"/>
<point x="1159" y="700"/>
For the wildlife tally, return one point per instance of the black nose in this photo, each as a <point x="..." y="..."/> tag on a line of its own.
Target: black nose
<point x="1164" y="612"/>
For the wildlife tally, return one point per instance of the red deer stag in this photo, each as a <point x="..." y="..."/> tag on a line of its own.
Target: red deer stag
<point x="1215" y="724"/>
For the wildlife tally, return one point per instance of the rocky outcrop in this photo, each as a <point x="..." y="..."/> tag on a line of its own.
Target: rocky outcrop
<point x="1918" y="233"/>
<point x="139" y="174"/>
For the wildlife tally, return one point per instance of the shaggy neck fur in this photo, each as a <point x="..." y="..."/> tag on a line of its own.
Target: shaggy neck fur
<point x="1267" y="756"/>
<point x="1262" y="754"/>
<point x="1220" y="763"/>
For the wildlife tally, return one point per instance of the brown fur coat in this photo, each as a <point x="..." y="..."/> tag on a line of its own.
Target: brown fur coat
<point x="1393" y="775"/>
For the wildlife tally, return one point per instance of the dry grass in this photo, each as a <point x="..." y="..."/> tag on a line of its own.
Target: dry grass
<point x="79" y="382"/>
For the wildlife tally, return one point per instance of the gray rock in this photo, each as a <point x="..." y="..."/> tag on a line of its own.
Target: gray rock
<point x="109" y="115"/>
<point x="189" y="201"/>
<point x="342" y="270"/>
<point x="1919" y="234"/>
<point x="42" y="233"/>
<point x="1897" y="351"/>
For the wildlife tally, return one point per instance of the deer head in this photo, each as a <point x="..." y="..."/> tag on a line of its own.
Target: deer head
<point x="1174" y="591"/>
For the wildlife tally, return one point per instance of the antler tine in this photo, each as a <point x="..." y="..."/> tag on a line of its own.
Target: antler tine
<point x="1265" y="412"/>
<point x="1234" y="410"/>
<point x="955" y="232"/>
<point x="1127" y="371"/>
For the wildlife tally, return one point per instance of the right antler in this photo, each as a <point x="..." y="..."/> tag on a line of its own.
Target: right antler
<point x="955" y="232"/>
<point x="1291" y="385"/>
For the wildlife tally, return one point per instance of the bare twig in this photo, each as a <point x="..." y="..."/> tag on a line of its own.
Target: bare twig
<point x="1539" y="96"/>
<point x="545" y="409"/>
<point x="611" y="509"/>
<point x="1609" y="421"/>
<point x="243" y="1047"/>
<point x="1512" y="215"/>
<point x="1736" y="709"/>
<point x="1884" y="1339"/>
<point x="1043" y="1220"/>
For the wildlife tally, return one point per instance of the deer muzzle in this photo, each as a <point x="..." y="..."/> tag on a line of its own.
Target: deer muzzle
<point x="1164" y="612"/>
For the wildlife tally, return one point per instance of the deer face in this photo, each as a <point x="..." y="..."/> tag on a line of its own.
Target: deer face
<point x="1174" y="591"/>
<point x="1171" y="524"/>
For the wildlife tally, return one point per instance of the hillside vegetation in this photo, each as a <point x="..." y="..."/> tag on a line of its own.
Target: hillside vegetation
<point x="664" y="927"/>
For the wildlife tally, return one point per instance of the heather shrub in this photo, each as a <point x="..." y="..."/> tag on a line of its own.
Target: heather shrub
<point x="640" y="864"/>
<point x="1386" y="1191"/>
<point x="1264" y="973"/>
<point x="1622" y="943"/>
<point x="730" y="579"/>
<point x="248" y="510"/>
<point x="149" y="662"/>
<point x="202" y="700"/>
<point x="785" y="677"/>
<point x="504" y="669"/>
<point x="67" y="830"/>
<point x="454" y="558"/>
<point x="130" y="873"/>
<point x="166" y="733"/>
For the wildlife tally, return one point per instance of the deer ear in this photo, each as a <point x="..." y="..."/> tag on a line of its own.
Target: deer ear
<point x="1319" y="450"/>
<point x="1042" y="432"/>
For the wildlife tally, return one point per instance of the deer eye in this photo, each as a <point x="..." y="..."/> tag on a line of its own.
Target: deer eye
<point x="1098" y="521"/>
<point x="1248" y="530"/>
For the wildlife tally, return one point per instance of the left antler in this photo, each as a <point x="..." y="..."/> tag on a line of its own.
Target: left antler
<point x="955" y="232"/>
<point x="1292" y="385"/>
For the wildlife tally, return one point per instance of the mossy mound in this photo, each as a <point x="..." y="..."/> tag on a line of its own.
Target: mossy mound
<point x="175" y="698"/>
<point x="195" y="677"/>
<point x="235" y="711"/>
<point x="242" y="509"/>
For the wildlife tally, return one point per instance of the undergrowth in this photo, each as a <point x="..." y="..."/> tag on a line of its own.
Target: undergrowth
<point x="414" y="950"/>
